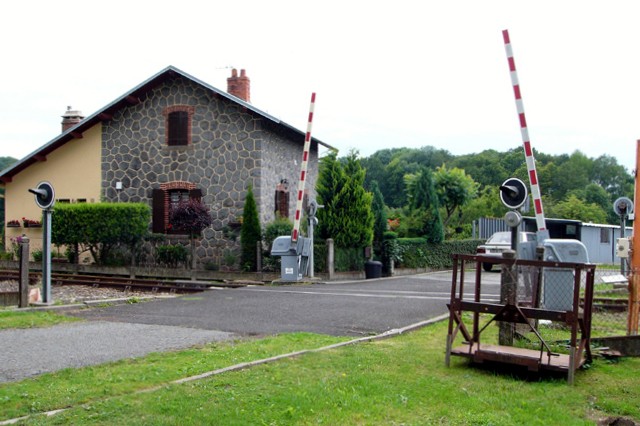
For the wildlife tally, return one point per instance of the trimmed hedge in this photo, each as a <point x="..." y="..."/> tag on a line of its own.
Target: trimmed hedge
<point x="99" y="227"/>
<point x="410" y="253"/>
<point x="417" y="253"/>
<point x="345" y="259"/>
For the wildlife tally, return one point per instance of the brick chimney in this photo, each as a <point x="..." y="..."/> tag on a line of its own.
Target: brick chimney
<point x="239" y="86"/>
<point x="70" y="118"/>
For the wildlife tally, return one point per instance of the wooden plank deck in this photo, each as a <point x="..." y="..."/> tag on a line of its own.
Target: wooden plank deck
<point x="516" y="356"/>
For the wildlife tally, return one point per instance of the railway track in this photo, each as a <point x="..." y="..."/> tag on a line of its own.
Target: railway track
<point x="150" y="285"/>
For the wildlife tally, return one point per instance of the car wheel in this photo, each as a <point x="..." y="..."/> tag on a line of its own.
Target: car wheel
<point x="487" y="266"/>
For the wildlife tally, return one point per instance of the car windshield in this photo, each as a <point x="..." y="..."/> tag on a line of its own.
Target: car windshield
<point x="500" y="237"/>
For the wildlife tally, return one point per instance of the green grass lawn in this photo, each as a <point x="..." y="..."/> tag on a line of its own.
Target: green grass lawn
<point x="401" y="380"/>
<point x="30" y="319"/>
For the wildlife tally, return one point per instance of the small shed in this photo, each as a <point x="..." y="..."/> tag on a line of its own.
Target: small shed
<point x="600" y="240"/>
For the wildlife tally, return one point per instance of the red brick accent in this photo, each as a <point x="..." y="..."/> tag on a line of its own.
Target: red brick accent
<point x="166" y="187"/>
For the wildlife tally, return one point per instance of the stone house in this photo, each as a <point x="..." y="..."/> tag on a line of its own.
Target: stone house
<point x="170" y="138"/>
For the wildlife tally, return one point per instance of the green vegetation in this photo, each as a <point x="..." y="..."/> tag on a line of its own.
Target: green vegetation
<point x="346" y="216"/>
<point x="401" y="380"/>
<point x="250" y="233"/>
<point x="28" y="319"/>
<point x="380" y="224"/>
<point x="171" y="255"/>
<point x="573" y="186"/>
<point x="420" y="253"/>
<point x="91" y="385"/>
<point x="190" y="217"/>
<point x="99" y="228"/>
<point x="422" y="215"/>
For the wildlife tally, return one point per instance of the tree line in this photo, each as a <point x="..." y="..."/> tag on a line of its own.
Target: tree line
<point x="573" y="186"/>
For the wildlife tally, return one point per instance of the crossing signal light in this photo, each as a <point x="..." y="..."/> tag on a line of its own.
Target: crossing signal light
<point x="513" y="193"/>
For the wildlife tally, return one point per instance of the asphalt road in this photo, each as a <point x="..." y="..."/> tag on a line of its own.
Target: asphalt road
<point x="354" y="308"/>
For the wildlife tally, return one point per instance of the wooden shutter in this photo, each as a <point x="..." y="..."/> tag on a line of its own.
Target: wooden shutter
<point x="158" y="210"/>
<point x="282" y="203"/>
<point x="178" y="128"/>
<point x="195" y="194"/>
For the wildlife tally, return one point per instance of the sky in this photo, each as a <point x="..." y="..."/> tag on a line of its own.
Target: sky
<point x="386" y="74"/>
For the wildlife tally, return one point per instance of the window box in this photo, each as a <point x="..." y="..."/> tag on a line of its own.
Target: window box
<point x="28" y="223"/>
<point x="13" y="224"/>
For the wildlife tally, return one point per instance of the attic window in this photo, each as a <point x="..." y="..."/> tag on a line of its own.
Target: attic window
<point x="178" y="125"/>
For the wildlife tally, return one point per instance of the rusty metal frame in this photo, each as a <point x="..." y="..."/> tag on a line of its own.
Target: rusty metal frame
<point x="577" y="319"/>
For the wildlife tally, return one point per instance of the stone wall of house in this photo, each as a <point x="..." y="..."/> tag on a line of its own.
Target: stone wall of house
<point x="282" y="161"/>
<point x="230" y="149"/>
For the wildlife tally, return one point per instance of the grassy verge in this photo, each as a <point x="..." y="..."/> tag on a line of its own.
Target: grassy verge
<point x="30" y="319"/>
<point x="71" y="387"/>
<point x="401" y="380"/>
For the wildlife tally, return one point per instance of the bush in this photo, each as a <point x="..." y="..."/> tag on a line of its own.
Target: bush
<point x="6" y="255"/>
<point x="279" y="227"/>
<point x="99" y="227"/>
<point x="417" y="253"/>
<point x="349" y="259"/>
<point x="37" y="255"/>
<point x="250" y="233"/>
<point x="171" y="255"/>
<point x="345" y="259"/>
<point x="190" y="217"/>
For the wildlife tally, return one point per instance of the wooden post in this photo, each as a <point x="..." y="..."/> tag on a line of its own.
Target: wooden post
<point x="508" y="284"/>
<point x="258" y="256"/>
<point x="634" y="277"/>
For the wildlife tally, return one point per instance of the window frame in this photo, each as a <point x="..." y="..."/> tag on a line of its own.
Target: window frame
<point x="178" y="116"/>
<point x="161" y="203"/>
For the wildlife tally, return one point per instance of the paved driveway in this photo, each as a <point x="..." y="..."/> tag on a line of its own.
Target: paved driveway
<point x="354" y="308"/>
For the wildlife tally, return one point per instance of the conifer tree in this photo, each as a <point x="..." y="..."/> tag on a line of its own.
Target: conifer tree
<point x="425" y="204"/>
<point x="347" y="215"/>
<point x="380" y="216"/>
<point x="250" y="233"/>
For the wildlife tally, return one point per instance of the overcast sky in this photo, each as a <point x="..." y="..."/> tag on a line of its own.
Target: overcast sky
<point x="387" y="74"/>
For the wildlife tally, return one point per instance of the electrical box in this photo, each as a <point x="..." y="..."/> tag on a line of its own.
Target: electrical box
<point x="622" y="247"/>
<point x="294" y="257"/>
<point x="558" y="283"/>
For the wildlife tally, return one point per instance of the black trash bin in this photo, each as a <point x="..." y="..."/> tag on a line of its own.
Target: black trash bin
<point x="372" y="269"/>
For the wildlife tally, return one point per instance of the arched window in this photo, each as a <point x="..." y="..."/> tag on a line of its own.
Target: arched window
<point x="171" y="193"/>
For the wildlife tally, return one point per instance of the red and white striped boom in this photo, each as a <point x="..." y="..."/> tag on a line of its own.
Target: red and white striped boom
<point x="528" y="152"/>
<point x="303" y="173"/>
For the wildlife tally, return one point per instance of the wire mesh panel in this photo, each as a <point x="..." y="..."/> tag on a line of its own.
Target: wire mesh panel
<point x="610" y="303"/>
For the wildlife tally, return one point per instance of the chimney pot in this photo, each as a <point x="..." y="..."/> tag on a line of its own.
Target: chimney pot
<point x="70" y="118"/>
<point x="239" y="86"/>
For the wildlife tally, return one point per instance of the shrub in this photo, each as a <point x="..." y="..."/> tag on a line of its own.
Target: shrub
<point x="250" y="232"/>
<point x="279" y="227"/>
<point x="171" y="255"/>
<point x="99" y="227"/>
<point x="6" y="255"/>
<point x="191" y="217"/>
<point x="418" y="253"/>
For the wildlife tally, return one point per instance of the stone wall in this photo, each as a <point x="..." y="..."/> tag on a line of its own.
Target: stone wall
<point x="230" y="149"/>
